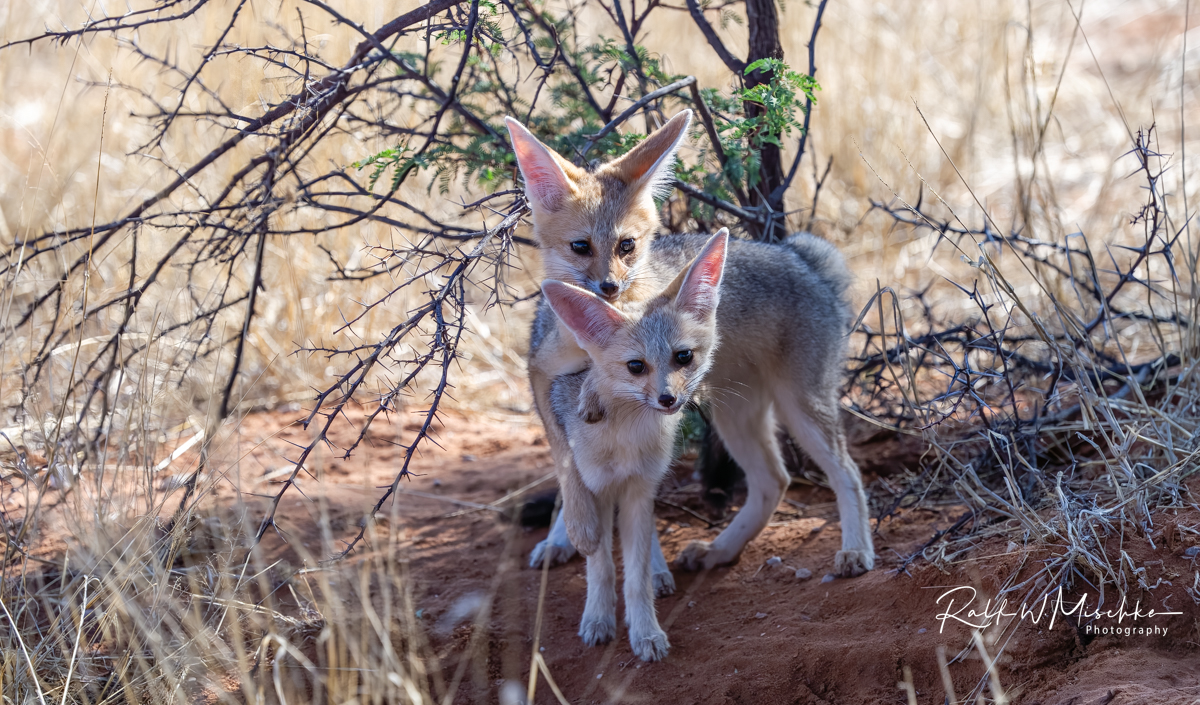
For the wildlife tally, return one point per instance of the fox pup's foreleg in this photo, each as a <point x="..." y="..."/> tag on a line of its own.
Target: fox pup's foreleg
<point x="636" y="522"/>
<point x="560" y="550"/>
<point x="599" y="624"/>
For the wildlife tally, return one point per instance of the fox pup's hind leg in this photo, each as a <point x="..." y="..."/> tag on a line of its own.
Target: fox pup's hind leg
<point x="746" y="423"/>
<point x="557" y="547"/>
<point x="747" y="426"/>
<point x="664" y="582"/>
<point x="599" y="624"/>
<point x="817" y="429"/>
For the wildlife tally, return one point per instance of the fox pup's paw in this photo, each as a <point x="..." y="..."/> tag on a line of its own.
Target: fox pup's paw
<point x="847" y="564"/>
<point x="599" y="630"/>
<point x="558" y="553"/>
<point x="590" y="408"/>
<point x="584" y="535"/>
<point x="664" y="584"/>
<point x="581" y="519"/>
<point x="693" y="555"/>
<point x="699" y="555"/>
<point x="652" y="646"/>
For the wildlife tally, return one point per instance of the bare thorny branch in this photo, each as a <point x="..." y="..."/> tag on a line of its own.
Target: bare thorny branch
<point x="218" y="217"/>
<point x="1020" y="402"/>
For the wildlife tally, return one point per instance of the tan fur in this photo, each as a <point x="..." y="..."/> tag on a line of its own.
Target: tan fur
<point x="605" y="208"/>
<point x="622" y="457"/>
<point x="783" y="315"/>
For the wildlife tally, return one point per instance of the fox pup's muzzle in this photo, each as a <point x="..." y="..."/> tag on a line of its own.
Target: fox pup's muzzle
<point x="668" y="403"/>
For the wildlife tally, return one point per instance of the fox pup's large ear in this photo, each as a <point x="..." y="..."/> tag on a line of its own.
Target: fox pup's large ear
<point x="591" y="320"/>
<point x="648" y="165"/>
<point x="547" y="184"/>
<point x="698" y="290"/>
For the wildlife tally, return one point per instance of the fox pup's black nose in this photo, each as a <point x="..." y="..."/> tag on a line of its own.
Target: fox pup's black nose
<point x="608" y="288"/>
<point x="666" y="400"/>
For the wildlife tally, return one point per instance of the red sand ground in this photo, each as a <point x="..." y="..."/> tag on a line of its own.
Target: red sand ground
<point x="750" y="633"/>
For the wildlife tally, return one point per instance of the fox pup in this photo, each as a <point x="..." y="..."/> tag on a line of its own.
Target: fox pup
<point x="644" y="368"/>
<point x="783" y="317"/>
<point x="600" y="250"/>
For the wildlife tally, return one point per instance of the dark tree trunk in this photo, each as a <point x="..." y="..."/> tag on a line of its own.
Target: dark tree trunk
<point x="763" y="19"/>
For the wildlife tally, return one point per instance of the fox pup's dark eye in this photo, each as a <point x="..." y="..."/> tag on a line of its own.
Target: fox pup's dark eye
<point x="626" y="246"/>
<point x="636" y="366"/>
<point x="684" y="357"/>
<point x="581" y="247"/>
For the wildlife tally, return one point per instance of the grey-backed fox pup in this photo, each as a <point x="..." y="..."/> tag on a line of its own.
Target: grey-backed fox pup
<point x="645" y="367"/>
<point x="782" y="319"/>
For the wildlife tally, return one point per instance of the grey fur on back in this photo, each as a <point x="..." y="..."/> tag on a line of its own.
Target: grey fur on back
<point x="783" y="305"/>
<point x="781" y="325"/>
<point x="805" y="270"/>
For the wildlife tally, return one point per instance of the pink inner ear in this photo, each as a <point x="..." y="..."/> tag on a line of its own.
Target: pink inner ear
<point x="642" y="159"/>
<point x="590" y="319"/>
<point x="544" y="179"/>
<point x="639" y="164"/>
<point x="709" y="270"/>
<point x="699" y="292"/>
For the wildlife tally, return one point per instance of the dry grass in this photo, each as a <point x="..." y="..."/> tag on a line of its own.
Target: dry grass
<point x="1008" y="109"/>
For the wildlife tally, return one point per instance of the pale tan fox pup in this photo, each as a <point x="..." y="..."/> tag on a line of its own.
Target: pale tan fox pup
<point x="603" y="223"/>
<point x="644" y="367"/>
<point x="783" y="319"/>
